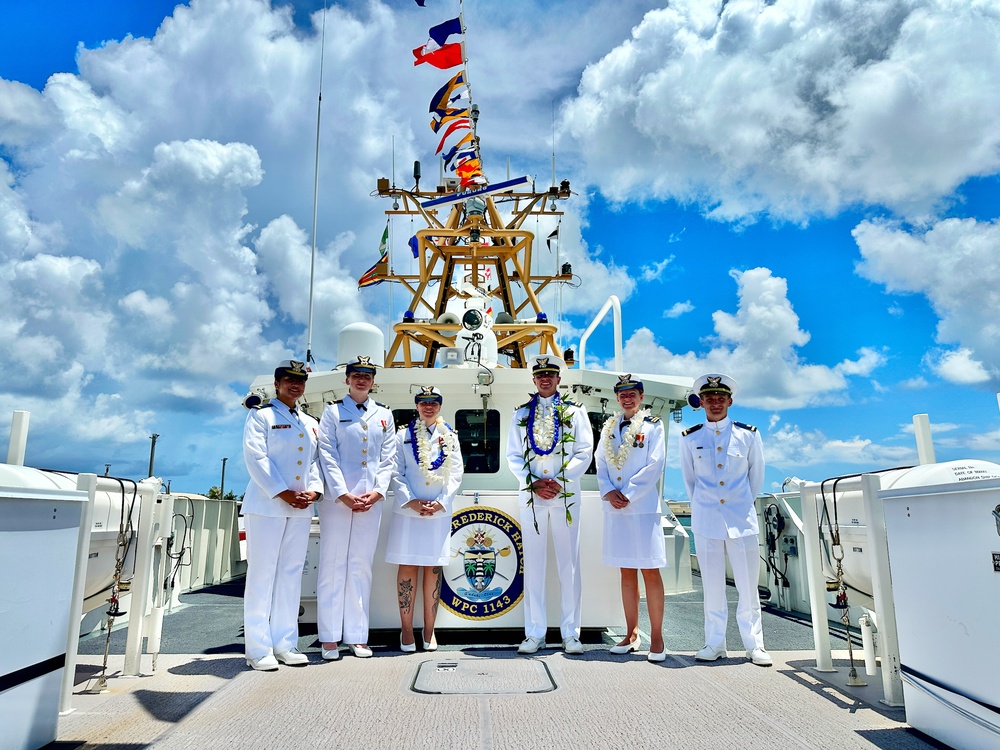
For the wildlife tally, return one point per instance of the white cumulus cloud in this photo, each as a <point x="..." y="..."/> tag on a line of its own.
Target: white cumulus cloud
<point x="758" y="346"/>
<point x="954" y="263"/>
<point x="795" y="108"/>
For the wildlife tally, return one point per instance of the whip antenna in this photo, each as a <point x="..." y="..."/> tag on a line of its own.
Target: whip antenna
<point x="312" y="257"/>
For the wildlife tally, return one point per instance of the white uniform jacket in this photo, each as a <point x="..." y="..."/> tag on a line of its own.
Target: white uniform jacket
<point x="357" y="449"/>
<point x="280" y="452"/>
<point x="410" y="482"/>
<point x="723" y="467"/>
<point x="639" y="477"/>
<point x="577" y="453"/>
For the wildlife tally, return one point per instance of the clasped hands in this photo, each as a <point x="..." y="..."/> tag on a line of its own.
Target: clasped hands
<point x="617" y="499"/>
<point x="360" y="503"/>
<point x="424" y="507"/>
<point x="298" y="499"/>
<point x="547" y="489"/>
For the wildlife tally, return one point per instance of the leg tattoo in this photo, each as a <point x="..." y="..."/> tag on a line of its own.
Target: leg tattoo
<point x="406" y="595"/>
<point x="438" y="572"/>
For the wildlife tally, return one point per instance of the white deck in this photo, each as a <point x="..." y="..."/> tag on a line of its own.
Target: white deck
<point x="599" y="701"/>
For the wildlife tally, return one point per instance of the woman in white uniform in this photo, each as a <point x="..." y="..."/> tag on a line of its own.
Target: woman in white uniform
<point x="428" y="476"/>
<point x="279" y="449"/>
<point x="357" y="452"/>
<point x="630" y="458"/>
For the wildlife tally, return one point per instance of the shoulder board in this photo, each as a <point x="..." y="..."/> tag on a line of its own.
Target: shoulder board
<point x="652" y="419"/>
<point x="689" y="430"/>
<point x="525" y="405"/>
<point x="338" y="401"/>
<point x="571" y="402"/>
<point x="268" y="405"/>
<point x="744" y="426"/>
<point x="377" y="403"/>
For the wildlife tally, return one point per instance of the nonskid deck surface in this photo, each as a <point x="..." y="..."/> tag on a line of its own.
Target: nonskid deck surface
<point x="475" y="696"/>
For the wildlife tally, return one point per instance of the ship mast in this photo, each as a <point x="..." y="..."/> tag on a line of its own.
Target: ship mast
<point x="470" y="243"/>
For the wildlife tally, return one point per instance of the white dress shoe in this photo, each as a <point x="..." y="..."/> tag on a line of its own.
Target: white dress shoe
<point x="265" y="663"/>
<point x="572" y="645"/>
<point x="359" y="650"/>
<point x="407" y="648"/>
<point x="292" y="658"/>
<point x="625" y="648"/>
<point x="710" y="653"/>
<point x="433" y="645"/>
<point x="760" y="657"/>
<point x="530" y="645"/>
<point x="330" y="654"/>
<point x="657" y="656"/>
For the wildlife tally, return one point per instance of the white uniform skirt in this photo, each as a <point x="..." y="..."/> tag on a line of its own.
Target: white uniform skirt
<point x="633" y="540"/>
<point x="415" y="540"/>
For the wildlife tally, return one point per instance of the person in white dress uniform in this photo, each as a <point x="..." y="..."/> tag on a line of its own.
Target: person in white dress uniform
<point x="428" y="476"/>
<point x="357" y="452"/>
<point x="723" y="466"/>
<point x="550" y="445"/>
<point x="280" y="452"/>
<point x="630" y="458"/>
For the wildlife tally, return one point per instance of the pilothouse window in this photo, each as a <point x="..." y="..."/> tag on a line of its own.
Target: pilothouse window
<point x="596" y="425"/>
<point x="479" y="435"/>
<point x="403" y="417"/>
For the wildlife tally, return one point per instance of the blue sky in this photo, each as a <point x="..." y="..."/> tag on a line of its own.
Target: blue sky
<point x="800" y="195"/>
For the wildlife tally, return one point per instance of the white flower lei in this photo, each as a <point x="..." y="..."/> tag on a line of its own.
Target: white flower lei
<point x="424" y="451"/>
<point x="618" y="458"/>
<point x="544" y="429"/>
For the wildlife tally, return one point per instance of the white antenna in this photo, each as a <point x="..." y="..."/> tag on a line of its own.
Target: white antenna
<point x="553" y="143"/>
<point x="312" y="258"/>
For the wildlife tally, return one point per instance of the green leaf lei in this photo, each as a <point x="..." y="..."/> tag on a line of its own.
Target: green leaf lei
<point x="563" y="419"/>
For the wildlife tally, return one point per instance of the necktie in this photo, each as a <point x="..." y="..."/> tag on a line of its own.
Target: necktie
<point x="293" y="411"/>
<point x="625" y="423"/>
<point x="362" y="407"/>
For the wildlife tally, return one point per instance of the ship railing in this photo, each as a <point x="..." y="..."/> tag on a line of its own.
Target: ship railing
<point x="612" y="302"/>
<point x="869" y="486"/>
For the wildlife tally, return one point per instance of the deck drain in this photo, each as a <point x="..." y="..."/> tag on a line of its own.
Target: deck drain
<point x="482" y="677"/>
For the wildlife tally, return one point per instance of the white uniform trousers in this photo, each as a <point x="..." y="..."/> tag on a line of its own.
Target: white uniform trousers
<point x="566" y="542"/>
<point x="347" y="542"/>
<point x="744" y="556"/>
<point x="276" y="554"/>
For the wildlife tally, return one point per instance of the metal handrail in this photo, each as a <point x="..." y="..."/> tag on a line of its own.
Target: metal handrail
<point x="612" y="301"/>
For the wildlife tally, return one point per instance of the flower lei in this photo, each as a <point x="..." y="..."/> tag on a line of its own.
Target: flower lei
<point x="420" y="444"/>
<point x="544" y="431"/>
<point x="549" y="433"/>
<point x="618" y="457"/>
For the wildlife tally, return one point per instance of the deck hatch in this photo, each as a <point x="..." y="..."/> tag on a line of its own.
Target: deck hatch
<point x="482" y="677"/>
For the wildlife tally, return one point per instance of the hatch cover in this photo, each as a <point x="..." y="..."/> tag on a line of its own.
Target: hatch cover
<point x="482" y="677"/>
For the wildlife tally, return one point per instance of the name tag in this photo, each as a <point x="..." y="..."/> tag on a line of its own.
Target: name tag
<point x="281" y="427"/>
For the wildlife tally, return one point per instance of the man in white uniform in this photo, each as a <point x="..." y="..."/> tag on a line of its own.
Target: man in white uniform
<point x="279" y="449"/>
<point x="357" y="452"/>
<point x="723" y="466"/>
<point x="550" y="444"/>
